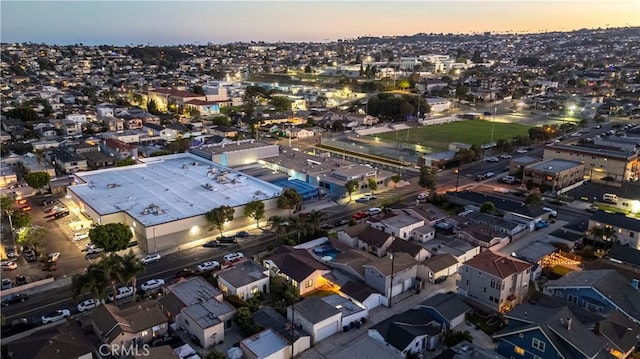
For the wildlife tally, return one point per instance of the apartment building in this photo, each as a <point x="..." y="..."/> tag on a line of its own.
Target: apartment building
<point x="598" y="163"/>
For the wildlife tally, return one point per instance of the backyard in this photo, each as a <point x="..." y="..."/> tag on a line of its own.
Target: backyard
<point x="438" y="137"/>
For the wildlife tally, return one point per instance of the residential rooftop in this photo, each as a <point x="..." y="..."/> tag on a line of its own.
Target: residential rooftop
<point x="554" y="165"/>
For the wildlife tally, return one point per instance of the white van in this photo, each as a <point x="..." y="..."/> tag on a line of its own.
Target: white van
<point x="373" y="211"/>
<point x="609" y="197"/>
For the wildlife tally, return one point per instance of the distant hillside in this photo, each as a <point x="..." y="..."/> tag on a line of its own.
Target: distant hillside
<point x="163" y="56"/>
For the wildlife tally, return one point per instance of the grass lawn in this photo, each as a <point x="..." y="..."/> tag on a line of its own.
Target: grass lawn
<point x="476" y="132"/>
<point x="482" y="324"/>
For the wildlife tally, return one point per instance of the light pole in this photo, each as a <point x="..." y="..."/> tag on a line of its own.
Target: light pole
<point x="391" y="287"/>
<point x="493" y="126"/>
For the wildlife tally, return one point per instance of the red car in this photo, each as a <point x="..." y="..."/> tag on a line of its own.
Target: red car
<point x="360" y="215"/>
<point x="22" y="201"/>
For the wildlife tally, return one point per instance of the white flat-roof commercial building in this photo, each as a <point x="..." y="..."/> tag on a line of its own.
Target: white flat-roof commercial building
<point x="164" y="199"/>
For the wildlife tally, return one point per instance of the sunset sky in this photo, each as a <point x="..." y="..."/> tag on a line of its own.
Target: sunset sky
<point x="178" y="22"/>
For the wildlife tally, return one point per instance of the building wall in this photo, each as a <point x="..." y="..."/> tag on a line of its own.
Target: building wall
<point x="577" y="297"/>
<point x="146" y="335"/>
<point x="514" y="346"/>
<point x="557" y="180"/>
<point x="377" y="281"/>
<point x="399" y="232"/>
<point x="314" y="329"/>
<point x="208" y="336"/>
<point x="244" y="292"/>
<point x="598" y="166"/>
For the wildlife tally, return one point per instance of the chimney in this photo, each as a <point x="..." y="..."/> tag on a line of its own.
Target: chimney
<point x="568" y="323"/>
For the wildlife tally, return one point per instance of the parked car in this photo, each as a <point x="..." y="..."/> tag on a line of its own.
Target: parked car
<point x="151" y="258"/>
<point x="207" y="266"/>
<point x="326" y="226"/>
<point x="30" y="255"/>
<point x="593" y="208"/>
<point x="552" y="212"/>
<point x="121" y="293"/>
<point x="541" y="224"/>
<point x="521" y="151"/>
<point x="227" y="239"/>
<point x="59" y="215"/>
<point x="22" y="279"/>
<point x="212" y="244"/>
<point x="489" y="175"/>
<point x="341" y="222"/>
<point x="89" y="304"/>
<point x="11" y="252"/>
<point x="505" y="155"/>
<point x="493" y="159"/>
<point x="185" y="273"/>
<point x="93" y="249"/>
<point x="47" y="202"/>
<point x="7" y="283"/>
<point x="152" y="284"/>
<point x="374" y="211"/>
<point x="21" y="201"/>
<point x="80" y="236"/>
<point x="53" y="257"/>
<point x="440" y="279"/>
<point x="25" y="208"/>
<point x="360" y="215"/>
<point x="14" y="298"/>
<point x="9" y="265"/>
<point x="423" y="196"/>
<point x="243" y="234"/>
<point x="479" y="178"/>
<point x="233" y="257"/>
<point x="55" y="316"/>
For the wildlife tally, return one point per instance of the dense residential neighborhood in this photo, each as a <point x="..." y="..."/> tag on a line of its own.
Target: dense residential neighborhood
<point x="423" y="196"/>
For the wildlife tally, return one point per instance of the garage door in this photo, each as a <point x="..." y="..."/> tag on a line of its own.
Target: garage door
<point x="397" y="289"/>
<point x="408" y="284"/>
<point x="326" y="331"/>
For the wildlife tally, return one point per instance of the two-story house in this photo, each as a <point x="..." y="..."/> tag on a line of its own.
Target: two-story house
<point x="167" y="134"/>
<point x="195" y="305"/>
<point x="399" y="224"/>
<point x="494" y="280"/>
<point x="67" y="161"/>
<point x="410" y="332"/>
<point x="598" y="291"/>
<point x="392" y="275"/>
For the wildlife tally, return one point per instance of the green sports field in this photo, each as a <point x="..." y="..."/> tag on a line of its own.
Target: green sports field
<point x="438" y="137"/>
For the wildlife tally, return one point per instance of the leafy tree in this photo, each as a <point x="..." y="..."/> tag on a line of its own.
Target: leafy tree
<point x="255" y="210"/>
<point x="31" y="236"/>
<point x="24" y="114"/>
<point x="427" y="177"/>
<point x="280" y="104"/>
<point x="92" y="280"/>
<point x="373" y="184"/>
<point x="219" y="216"/>
<point x="112" y="237"/>
<point x="533" y="199"/>
<point x="20" y="219"/>
<point x="126" y="162"/>
<point x="453" y="337"/>
<point x="160" y="153"/>
<point x="37" y="180"/>
<point x="214" y="354"/>
<point x="5" y="205"/>
<point x="351" y="186"/>
<point x="488" y="207"/>
<point x="602" y="232"/>
<point x="130" y="268"/>
<point x="529" y="184"/>
<point x="152" y="107"/>
<point x="244" y="320"/>
<point x="299" y="226"/>
<point x="179" y="146"/>
<point x="315" y="217"/>
<point x="289" y="199"/>
<point x="198" y="89"/>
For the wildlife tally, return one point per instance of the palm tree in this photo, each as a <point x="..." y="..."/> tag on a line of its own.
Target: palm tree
<point x="130" y="268"/>
<point x="605" y="232"/>
<point x="315" y="217"/>
<point x="300" y="226"/>
<point x="277" y="224"/>
<point x="92" y="280"/>
<point x="112" y="267"/>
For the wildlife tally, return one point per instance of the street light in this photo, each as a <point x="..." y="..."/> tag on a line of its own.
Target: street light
<point x="391" y="288"/>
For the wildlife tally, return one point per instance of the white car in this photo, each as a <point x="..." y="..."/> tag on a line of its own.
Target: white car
<point x="93" y="249"/>
<point x="89" y="304"/>
<point x="121" y="293"/>
<point x="53" y="257"/>
<point x="152" y="284"/>
<point x="55" y="316"/>
<point x="9" y="265"/>
<point x="422" y="196"/>
<point x="374" y="210"/>
<point x="522" y="151"/>
<point x="493" y="159"/>
<point x="552" y="212"/>
<point x="505" y="155"/>
<point x="233" y="257"/>
<point x="207" y="266"/>
<point x="80" y="236"/>
<point x="150" y="258"/>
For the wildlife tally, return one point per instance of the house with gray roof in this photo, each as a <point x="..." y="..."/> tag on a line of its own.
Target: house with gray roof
<point x="375" y="241"/>
<point x="298" y="267"/>
<point x="269" y="318"/>
<point x="199" y="308"/>
<point x="627" y="229"/>
<point x="448" y="308"/>
<point x="135" y="324"/>
<point x="438" y="266"/>
<point x="599" y="291"/>
<point x="316" y="317"/>
<point x="411" y="332"/>
<point x="244" y="279"/>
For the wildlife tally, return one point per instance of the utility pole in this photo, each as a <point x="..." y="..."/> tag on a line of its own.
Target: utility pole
<point x="391" y="287"/>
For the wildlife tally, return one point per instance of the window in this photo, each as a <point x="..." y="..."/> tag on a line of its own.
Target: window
<point x="538" y="344"/>
<point x="572" y="299"/>
<point x="518" y="350"/>
<point x="309" y="283"/>
<point x="484" y="290"/>
<point x="631" y="234"/>
<point x="491" y="298"/>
